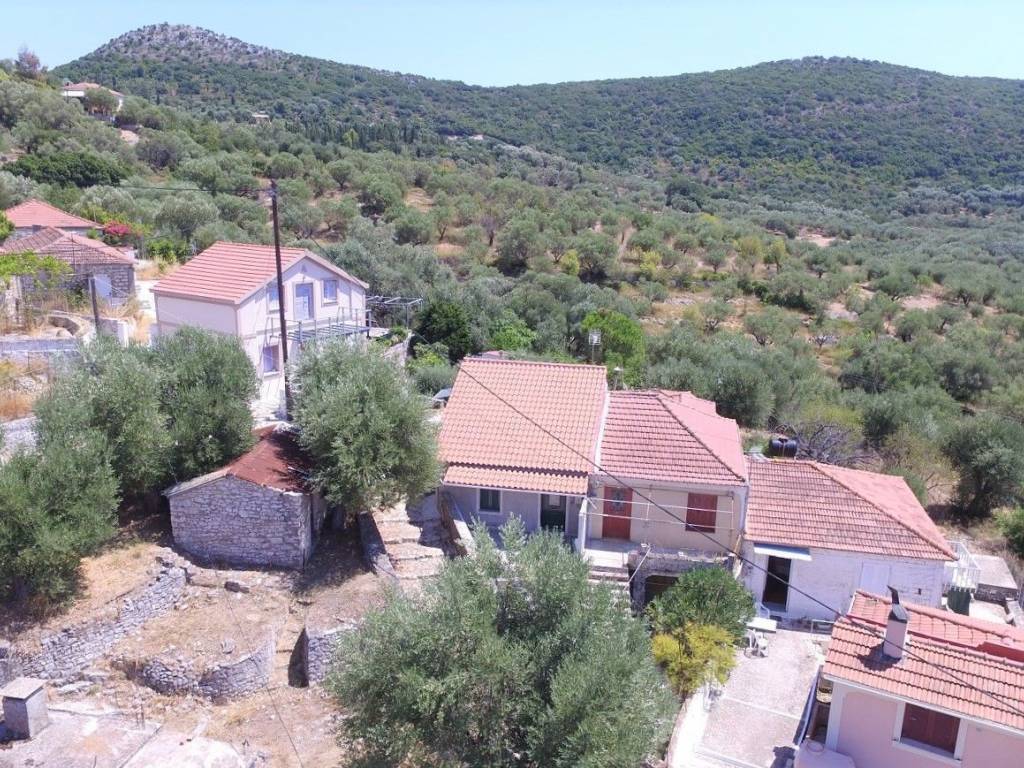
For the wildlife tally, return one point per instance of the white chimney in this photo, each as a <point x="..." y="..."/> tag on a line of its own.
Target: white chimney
<point x="895" y="629"/>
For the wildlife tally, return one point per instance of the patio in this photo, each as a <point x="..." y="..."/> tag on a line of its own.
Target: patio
<point x="759" y="716"/>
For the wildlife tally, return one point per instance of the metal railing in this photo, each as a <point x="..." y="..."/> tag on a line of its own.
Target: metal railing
<point x="343" y="321"/>
<point x="964" y="572"/>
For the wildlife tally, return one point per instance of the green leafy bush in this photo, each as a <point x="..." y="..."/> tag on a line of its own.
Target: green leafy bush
<point x="700" y="654"/>
<point x="1011" y="523"/>
<point x="79" y="169"/>
<point x="703" y="596"/>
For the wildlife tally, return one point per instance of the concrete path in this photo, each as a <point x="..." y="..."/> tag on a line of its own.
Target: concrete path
<point x="759" y="716"/>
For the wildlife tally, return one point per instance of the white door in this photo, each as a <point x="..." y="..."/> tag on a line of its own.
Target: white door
<point x="874" y="578"/>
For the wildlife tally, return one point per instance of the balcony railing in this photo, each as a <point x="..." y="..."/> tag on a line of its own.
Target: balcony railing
<point x="342" y="321"/>
<point x="964" y="572"/>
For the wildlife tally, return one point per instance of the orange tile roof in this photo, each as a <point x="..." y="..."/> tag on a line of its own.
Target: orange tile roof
<point x="569" y="483"/>
<point x="944" y="651"/>
<point x="68" y="247"/>
<point x="670" y="436"/>
<point x="484" y="431"/>
<point x="229" y="273"/>
<point x="808" y="504"/>
<point x="36" y="213"/>
<point x="275" y="461"/>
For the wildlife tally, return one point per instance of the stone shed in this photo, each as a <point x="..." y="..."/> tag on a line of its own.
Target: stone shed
<point x="256" y="511"/>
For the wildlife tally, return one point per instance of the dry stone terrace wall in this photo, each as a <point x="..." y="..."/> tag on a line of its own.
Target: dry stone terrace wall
<point x="318" y="648"/>
<point x="231" y="679"/>
<point x="60" y="654"/>
<point x="234" y="521"/>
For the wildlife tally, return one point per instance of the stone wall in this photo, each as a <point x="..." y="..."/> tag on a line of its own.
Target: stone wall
<point x="240" y="523"/>
<point x="318" y="646"/>
<point x="231" y="679"/>
<point x="60" y="654"/>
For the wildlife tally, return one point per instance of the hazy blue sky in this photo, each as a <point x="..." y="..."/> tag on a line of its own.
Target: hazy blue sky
<point x="499" y="43"/>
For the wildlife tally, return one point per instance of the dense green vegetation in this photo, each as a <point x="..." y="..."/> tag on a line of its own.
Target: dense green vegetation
<point x="877" y="334"/>
<point x="510" y="659"/>
<point x="839" y="129"/>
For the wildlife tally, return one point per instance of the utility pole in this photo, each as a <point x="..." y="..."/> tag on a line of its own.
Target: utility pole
<point x="280" y="302"/>
<point x="95" y="305"/>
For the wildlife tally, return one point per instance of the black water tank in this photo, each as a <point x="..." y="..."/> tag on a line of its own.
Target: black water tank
<point x="783" y="446"/>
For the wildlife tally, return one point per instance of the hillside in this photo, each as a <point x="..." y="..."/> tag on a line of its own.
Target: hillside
<point x="853" y="132"/>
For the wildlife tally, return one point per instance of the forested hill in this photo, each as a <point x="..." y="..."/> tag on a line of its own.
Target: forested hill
<point x="842" y="130"/>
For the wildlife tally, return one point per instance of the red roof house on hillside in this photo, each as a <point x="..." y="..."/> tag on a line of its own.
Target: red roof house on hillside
<point x="33" y="215"/>
<point x="831" y="530"/>
<point x="921" y="687"/>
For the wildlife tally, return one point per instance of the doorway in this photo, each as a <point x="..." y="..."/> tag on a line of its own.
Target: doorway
<point x="617" y="503"/>
<point x="776" y="582"/>
<point x="552" y="512"/>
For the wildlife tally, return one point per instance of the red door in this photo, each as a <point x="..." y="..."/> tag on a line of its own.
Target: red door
<point x="617" y="506"/>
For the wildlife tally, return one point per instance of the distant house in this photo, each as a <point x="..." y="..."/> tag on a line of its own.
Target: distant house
<point x="655" y="448"/>
<point x="34" y="215"/>
<point x="829" y="531"/>
<point x="231" y="288"/>
<point x="918" y="687"/>
<point x="112" y="270"/>
<point x="257" y="510"/>
<point x="78" y="91"/>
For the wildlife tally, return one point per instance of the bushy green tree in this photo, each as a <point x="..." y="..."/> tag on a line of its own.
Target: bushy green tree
<point x="988" y="452"/>
<point x="1011" y="523"/>
<point x="694" y="656"/>
<point x="510" y="660"/>
<point x="206" y="384"/>
<point x="622" y="343"/>
<point x="364" y="426"/>
<point x="446" y="322"/>
<point x="56" y="506"/>
<point x="703" y="596"/>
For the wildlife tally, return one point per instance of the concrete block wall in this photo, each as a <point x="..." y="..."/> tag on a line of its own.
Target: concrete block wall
<point x="237" y="522"/>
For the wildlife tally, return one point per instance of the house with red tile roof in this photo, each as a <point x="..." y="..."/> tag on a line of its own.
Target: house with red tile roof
<point x="78" y="91"/>
<point x="918" y="687"/>
<point x="232" y="288"/>
<point x="34" y="215"/>
<point x="257" y="510"/>
<point x="829" y="531"/>
<point x="649" y="477"/>
<point x="112" y="270"/>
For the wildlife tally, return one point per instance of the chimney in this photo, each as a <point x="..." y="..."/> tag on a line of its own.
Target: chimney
<point x="895" y="629"/>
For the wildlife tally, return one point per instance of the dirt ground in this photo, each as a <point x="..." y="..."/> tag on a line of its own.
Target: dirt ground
<point x="335" y="585"/>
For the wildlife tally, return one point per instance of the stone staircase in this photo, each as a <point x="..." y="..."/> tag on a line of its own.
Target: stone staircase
<point x="615" y="576"/>
<point x="415" y="540"/>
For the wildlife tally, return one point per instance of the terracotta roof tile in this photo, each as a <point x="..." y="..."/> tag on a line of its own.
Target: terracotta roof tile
<point x="945" y="652"/>
<point x="807" y="504"/>
<point x="569" y="483"/>
<point x="68" y="247"/>
<point x="37" y="213"/>
<point x="275" y="461"/>
<point x="670" y="436"/>
<point x="231" y="272"/>
<point x="483" y="427"/>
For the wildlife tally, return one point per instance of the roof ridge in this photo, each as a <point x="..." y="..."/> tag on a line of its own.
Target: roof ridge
<point x="913" y="529"/>
<point x="661" y="398"/>
<point x="951" y="617"/>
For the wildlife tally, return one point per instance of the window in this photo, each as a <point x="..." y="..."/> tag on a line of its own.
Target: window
<point x="700" y="512"/>
<point x="303" y="308"/>
<point x="928" y="728"/>
<point x="490" y="500"/>
<point x="271" y="358"/>
<point x="273" y="296"/>
<point x="330" y="291"/>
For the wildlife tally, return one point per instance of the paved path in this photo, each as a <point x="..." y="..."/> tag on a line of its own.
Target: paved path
<point x="415" y="540"/>
<point x="758" y="718"/>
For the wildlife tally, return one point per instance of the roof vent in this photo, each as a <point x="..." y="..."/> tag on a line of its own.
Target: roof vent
<point x="895" y="628"/>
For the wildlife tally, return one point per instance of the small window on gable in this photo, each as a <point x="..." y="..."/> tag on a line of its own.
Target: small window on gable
<point x="330" y="291"/>
<point x="926" y="727"/>
<point x="271" y="358"/>
<point x="490" y="500"/>
<point x="273" y="295"/>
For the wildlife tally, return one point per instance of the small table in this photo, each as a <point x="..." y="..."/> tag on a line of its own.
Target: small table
<point x="761" y="624"/>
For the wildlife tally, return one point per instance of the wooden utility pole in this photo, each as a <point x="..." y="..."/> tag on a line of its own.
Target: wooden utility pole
<point x="95" y="305"/>
<point x="280" y="301"/>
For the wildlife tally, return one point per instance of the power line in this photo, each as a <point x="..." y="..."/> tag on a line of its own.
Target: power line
<point x="870" y="629"/>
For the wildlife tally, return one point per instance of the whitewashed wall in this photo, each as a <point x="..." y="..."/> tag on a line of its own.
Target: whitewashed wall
<point x="525" y="505"/>
<point x="832" y="576"/>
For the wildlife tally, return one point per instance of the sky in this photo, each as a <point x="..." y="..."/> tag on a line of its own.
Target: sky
<point x="492" y="42"/>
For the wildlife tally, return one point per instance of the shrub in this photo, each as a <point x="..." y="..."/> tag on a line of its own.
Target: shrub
<point x="703" y="596"/>
<point x="79" y="169"/>
<point x="702" y="653"/>
<point x="509" y="660"/>
<point x="1012" y="525"/>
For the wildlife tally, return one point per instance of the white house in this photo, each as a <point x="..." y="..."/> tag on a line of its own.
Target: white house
<point x="829" y="531"/>
<point x="232" y="288"/>
<point x="78" y="91"/>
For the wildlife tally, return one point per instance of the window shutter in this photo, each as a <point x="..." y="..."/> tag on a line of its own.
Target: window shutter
<point x="701" y="512"/>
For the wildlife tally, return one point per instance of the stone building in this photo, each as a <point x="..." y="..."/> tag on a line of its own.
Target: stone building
<point x="112" y="270"/>
<point x="256" y="511"/>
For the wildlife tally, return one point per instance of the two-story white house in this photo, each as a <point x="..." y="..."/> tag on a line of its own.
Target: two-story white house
<point x="232" y="288"/>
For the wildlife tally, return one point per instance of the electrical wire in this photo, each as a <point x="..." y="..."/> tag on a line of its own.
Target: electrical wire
<point x="868" y="628"/>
